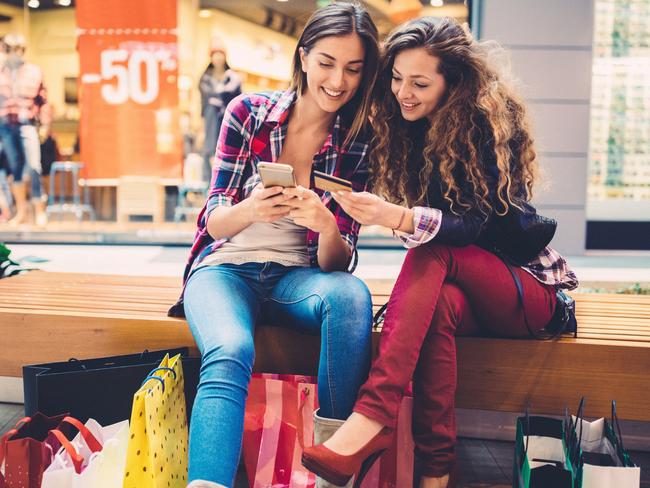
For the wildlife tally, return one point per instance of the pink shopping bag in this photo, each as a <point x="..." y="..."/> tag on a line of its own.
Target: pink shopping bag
<point x="394" y="469"/>
<point x="277" y="423"/>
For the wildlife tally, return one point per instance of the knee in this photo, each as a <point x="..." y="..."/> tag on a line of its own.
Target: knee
<point x="237" y="354"/>
<point x="449" y="308"/>
<point x="347" y="294"/>
<point x="349" y="305"/>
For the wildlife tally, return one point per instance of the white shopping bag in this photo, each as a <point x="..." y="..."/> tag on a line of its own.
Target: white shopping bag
<point x="76" y="465"/>
<point x="605" y="461"/>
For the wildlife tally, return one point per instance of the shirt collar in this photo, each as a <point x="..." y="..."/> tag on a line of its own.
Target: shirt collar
<point x="280" y="111"/>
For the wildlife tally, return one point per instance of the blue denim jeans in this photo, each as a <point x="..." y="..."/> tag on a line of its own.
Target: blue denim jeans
<point x="222" y="305"/>
<point x="22" y="147"/>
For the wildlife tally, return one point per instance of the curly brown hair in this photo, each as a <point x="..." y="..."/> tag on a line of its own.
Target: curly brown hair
<point x="479" y="114"/>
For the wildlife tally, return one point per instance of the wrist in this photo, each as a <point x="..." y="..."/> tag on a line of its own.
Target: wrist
<point x="247" y="209"/>
<point x="331" y="229"/>
<point x="394" y="216"/>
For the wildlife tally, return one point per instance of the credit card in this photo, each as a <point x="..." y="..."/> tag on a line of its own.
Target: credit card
<point x="326" y="182"/>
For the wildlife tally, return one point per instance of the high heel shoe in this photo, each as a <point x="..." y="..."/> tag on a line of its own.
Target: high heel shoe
<point x="338" y="469"/>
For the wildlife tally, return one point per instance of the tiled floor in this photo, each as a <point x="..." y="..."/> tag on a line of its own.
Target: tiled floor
<point x="483" y="463"/>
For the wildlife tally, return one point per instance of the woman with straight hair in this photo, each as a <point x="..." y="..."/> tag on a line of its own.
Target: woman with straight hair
<point x="280" y="254"/>
<point x="453" y="157"/>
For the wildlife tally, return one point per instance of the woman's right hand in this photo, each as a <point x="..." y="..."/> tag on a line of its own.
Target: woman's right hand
<point x="267" y="204"/>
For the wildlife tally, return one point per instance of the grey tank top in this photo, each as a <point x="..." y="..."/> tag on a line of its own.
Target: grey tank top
<point x="282" y="241"/>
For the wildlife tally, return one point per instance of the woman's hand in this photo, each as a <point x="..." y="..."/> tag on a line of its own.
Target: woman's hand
<point x="364" y="207"/>
<point x="308" y="210"/>
<point x="267" y="204"/>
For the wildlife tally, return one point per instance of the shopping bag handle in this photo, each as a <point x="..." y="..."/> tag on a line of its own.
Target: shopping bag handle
<point x="22" y="422"/>
<point x="3" y="448"/>
<point x="77" y="459"/>
<point x="5" y="438"/>
<point x="616" y="424"/>
<point x="163" y="368"/>
<point x="304" y="394"/>
<point x="91" y="441"/>
<point x="162" y="382"/>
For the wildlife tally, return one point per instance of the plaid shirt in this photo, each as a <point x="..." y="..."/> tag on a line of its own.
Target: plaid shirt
<point x="549" y="267"/>
<point x="253" y="130"/>
<point x="23" y="97"/>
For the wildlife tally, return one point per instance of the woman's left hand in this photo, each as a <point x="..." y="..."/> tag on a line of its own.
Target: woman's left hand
<point x="364" y="207"/>
<point x="309" y="211"/>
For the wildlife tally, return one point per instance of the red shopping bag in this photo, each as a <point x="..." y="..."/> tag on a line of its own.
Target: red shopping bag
<point x="394" y="469"/>
<point x="27" y="450"/>
<point x="277" y="423"/>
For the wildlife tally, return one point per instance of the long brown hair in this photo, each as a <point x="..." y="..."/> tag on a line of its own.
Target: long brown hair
<point x="479" y="112"/>
<point x="340" y="19"/>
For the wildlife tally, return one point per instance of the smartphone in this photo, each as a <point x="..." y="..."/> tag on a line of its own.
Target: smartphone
<point x="276" y="174"/>
<point x="330" y="183"/>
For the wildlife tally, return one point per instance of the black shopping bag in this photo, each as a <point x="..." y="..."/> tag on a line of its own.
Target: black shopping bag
<point x="100" y="388"/>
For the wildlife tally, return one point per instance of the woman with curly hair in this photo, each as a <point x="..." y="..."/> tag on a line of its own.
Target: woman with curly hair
<point x="453" y="157"/>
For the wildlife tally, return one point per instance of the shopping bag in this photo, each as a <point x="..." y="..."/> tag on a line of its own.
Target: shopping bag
<point x="604" y="461"/>
<point x="278" y="422"/>
<point x="82" y="464"/>
<point x="542" y="458"/>
<point x="100" y="388"/>
<point x="27" y="450"/>
<point x="157" y="448"/>
<point x="394" y="469"/>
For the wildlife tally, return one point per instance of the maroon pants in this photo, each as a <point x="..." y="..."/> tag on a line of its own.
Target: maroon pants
<point x="441" y="292"/>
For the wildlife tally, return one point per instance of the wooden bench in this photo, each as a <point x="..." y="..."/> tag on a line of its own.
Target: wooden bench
<point x="46" y="316"/>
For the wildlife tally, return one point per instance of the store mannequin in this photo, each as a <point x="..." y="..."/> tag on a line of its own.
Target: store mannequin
<point x="218" y="86"/>
<point x="23" y="106"/>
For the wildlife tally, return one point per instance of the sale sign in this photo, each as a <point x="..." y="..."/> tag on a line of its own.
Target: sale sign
<point x="128" y="55"/>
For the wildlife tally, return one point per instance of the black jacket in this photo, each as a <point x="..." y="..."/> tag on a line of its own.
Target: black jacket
<point x="466" y="226"/>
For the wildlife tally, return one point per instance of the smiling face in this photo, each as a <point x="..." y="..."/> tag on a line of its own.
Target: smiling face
<point x="333" y="68"/>
<point x="416" y="83"/>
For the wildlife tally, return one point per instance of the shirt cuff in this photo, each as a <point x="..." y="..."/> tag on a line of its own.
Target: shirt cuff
<point x="426" y="222"/>
<point x="218" y="200"/>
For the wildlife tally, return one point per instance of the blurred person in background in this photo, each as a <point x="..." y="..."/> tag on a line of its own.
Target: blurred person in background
<point x="49" y="153"/>
<point x="6" y="200"/>
<point x="218" y="86"/>
<point x="281" y="254"/>
<point x="452" y="154"/>
<point x="23" y="107"/>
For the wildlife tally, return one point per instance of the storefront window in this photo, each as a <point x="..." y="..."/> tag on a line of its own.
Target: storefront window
<point x="127" y="134"/>
<point x="619" y="173"/>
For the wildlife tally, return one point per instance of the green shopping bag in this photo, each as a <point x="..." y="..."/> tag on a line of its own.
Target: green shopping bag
<point x="602" y="459"/>
<point x="542" y="459"/>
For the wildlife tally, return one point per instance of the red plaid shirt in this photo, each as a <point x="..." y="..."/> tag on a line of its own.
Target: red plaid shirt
<point x="253" y="130"/>
<point x="23" y="100"/>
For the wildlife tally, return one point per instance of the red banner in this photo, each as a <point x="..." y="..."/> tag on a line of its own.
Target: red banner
<point x="128" y="55"/>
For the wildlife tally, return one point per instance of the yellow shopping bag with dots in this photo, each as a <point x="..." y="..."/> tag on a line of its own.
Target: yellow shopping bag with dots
<point x="157" y="451"/>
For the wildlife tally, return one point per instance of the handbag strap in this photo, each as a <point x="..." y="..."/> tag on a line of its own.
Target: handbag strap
<point x="77" y="459"/>
<point x="379" y="316"/>
<point x="522" y="304"/>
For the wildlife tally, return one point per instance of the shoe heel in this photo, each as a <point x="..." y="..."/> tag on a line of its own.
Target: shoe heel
<point x="365" y="467"/>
